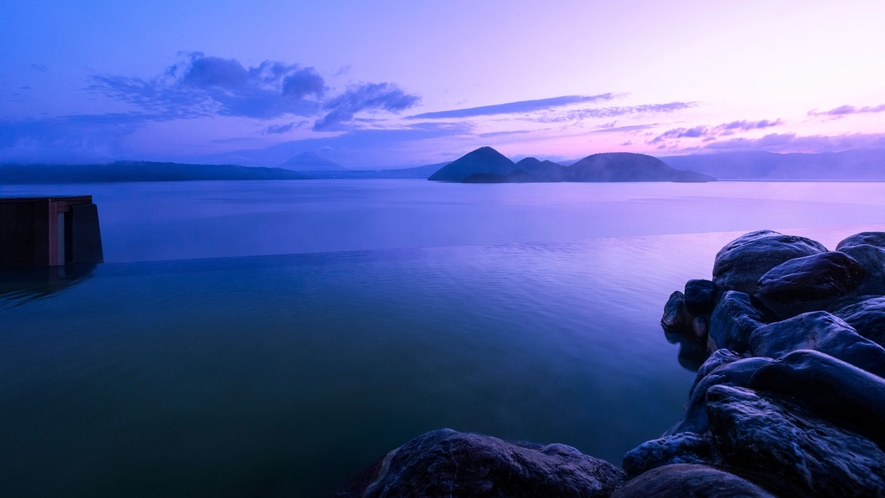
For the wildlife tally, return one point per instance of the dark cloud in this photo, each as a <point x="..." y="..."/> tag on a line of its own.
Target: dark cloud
<point x="304" y="82"/>
<point x="845" y="110"/>
<point x="366" y="97"/>
<point x="275" y="129"/>
<point x="709" y="133"/>
<point x="515" y="107"/>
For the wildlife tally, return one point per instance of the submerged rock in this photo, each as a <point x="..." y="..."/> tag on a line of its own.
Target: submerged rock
<point x="790" y="451"/>
<point x="445" y="463"/>
<point x="740" y="264"/>
<point x="690" y="481"/>
<point x="732" y="322"/>
<point x="867" y="317"/>
<point x="809" y="283"/>
<point x="820" y="331"/>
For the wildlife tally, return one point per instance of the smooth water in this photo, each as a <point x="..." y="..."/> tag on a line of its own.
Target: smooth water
<point x="521" y="311"/>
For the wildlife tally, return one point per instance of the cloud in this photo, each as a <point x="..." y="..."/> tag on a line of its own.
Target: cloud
<point x="365" y="97"/>
<point x="790" y="142"/>
<point x="611" y="112"/>
<point x="515" y="107"/>
<point x="709" y="133"/>
<point x="284" y="128"/>
<point x="200" y="85"/>
<point x="845" y="110"/>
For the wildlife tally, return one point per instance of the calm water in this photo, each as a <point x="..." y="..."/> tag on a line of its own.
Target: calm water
<point x="338" y="319"/>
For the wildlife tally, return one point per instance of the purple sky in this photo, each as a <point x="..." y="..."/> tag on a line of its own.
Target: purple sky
<point x="390" y="84"/>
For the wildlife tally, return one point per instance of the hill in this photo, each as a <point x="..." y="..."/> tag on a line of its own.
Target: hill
<point x="628" y="167"/>
<point x="311" y="161"/>
<point x="137" y="171"/>
<point x="483" y="160"/>
<point x="858" y="164"/>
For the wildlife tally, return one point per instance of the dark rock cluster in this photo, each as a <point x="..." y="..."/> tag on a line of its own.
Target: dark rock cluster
<point x="789" y="397"/>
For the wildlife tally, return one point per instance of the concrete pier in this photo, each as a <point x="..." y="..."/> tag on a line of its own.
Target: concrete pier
<point x="49" y="231"/>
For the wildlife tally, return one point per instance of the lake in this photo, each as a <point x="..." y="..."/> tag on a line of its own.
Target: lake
<point x="272" y="338"/>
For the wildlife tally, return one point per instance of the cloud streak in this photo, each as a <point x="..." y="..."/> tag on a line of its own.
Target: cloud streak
<point x="846" y="110"/>
<point x="613" y="112"/>
<point x="519" y="107"/>
<point x="366" y="97"/>
<point x="710" y="133"/>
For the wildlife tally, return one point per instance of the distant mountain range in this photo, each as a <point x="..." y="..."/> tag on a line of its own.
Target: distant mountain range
<point x="311" y="161"/>
<point x="858" y="164"/>
<point x="137" y="171"/>
<point x="486" y="165"/>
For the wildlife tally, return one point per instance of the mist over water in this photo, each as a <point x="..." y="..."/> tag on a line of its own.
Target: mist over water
<point x="523" y="311"/>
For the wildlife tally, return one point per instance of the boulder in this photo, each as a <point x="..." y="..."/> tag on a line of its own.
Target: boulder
<point x="809" y="283"/>
<point x="830" y="388"/>
<point x="700" y="297"/>
<point x="676" y="317"/>
<point x="690" y="481"/>
<point x="788" y="450"/>
<point x="446" y="463"/>
<point x="735" y="317"/>
<point x="863" y="238"/>
<point x="820" y="331"/>
<point x="685" y="447"/>
<point x="872" y="259"/>
<point x="742" y="261"/>
<point x="867" y="317"/>
<point x="730" y="372"/>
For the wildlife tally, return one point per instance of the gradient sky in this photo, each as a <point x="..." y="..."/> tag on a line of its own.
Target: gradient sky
<point x="390" y="84"/>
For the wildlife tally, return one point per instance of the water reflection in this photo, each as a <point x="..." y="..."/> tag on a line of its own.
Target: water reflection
<point x="19" y="286"/>
<point x="692" y="354"/>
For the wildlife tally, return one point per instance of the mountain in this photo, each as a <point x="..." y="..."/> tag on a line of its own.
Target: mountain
<point x="482" y="160"/>
<point x="486" y="165"/>
<point x="628" y="167"/>
<point x="137" y="171"/>
<point x="858" y="164"/>
<point x="311" y="161"/>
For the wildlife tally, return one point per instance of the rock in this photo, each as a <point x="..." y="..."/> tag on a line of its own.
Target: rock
<point x="863" y="238"/>
<point x="690" y="481"/>
<point x="732" y="322"/>
<point x="872" y="259"/>
<point x="700" y="296"/>
<point x="820" y="331"/>
<point x="830" y="388"/>
<point x="809" y="283"/>
<point x="731" y="371"/>
<point x="742" y="261"/>
<point x="676" y="318"/>
<point x="685" y="447"/>
<point x="446" y="463"/>
<point x="867" y="317"/>
<point x="789" y="451"/>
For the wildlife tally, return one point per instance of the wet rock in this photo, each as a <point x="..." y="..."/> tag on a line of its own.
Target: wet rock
<point x="809" y="283"/>
<point x="742" y="261"/>
<point x="690" y="481"/>
<point x="675" y="317"/>
<point x="863" y="238"/>
<point x="445" y="463"/>
<point x="790" y="451"/>
<point x="730" y="372"/>
<point x="733" y="320"/>
<point x="829" y="387"/>
<point x="685" y="447"/>
<point x="872" y="259"/>
<point x="700" y="297"/>
<point x="820" y="331"/>
<point x="867" y="317"/>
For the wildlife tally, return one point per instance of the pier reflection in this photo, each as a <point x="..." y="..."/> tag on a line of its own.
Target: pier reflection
<point x="19" y="286"/>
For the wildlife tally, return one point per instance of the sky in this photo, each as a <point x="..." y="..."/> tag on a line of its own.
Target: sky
<point x="389" y="84"/>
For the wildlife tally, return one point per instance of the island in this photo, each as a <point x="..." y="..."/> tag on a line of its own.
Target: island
<point x="487" y="165"/>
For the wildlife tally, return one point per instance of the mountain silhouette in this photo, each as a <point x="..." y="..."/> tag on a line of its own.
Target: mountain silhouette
<point x="311" y="161"/>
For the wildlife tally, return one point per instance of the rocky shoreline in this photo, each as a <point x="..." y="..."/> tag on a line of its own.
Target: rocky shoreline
<point x="789" y="398"/>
